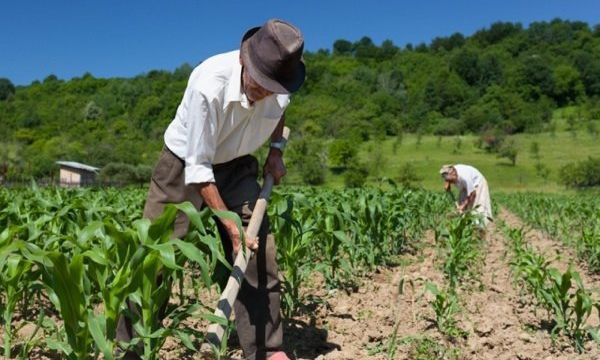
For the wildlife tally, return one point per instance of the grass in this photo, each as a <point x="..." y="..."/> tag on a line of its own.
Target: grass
<point x="427" y="157"/>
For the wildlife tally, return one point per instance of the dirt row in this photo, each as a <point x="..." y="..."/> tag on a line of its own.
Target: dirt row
<point x="501" y="320"/>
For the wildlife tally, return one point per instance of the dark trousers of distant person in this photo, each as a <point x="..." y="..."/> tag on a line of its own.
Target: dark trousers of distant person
<point x="257" y="307"/>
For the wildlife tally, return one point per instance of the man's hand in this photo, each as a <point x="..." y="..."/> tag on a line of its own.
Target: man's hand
<point x="274" y="165"/>
<point x="235" y="236"/>
<point x="212" y="198"/>
<point x="447" y="186"/>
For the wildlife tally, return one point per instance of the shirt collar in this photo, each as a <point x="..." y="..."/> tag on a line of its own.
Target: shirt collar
<point x="234" y="87"/>
<point x="234" y="90"/>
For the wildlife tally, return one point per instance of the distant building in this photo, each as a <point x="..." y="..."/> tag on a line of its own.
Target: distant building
<point x="74" y="174"/>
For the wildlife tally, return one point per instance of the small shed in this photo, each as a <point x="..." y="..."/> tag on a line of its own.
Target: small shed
<point x="74" y="174"/>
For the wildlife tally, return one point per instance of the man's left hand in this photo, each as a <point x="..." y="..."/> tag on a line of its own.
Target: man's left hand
<point x="274" y="165"/>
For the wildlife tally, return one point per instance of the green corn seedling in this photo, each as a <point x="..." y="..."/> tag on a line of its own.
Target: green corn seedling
<point x="445" y="306"/>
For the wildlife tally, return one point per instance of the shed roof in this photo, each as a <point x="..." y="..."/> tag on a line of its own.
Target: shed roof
<point x="77" y="165"/>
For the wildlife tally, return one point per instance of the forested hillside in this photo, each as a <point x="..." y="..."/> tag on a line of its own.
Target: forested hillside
<point x="503" y="80"/>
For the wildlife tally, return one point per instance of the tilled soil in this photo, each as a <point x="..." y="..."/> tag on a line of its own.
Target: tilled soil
<point x="499" y="319"/>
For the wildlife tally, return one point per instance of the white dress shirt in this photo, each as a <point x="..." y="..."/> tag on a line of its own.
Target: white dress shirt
<point x="215" y="122"/>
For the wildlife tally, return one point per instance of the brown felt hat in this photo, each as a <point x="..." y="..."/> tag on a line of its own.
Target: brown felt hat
<point x="272" y="55"/>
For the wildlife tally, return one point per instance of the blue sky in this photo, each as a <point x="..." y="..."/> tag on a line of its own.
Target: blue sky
<point x="127" y="37"/>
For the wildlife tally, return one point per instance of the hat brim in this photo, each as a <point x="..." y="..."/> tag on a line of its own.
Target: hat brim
<point x="287" y="86"/>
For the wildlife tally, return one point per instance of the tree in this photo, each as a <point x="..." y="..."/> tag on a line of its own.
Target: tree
<point x="388" y="49"/>
<point x="342" y="153"/>
<point x="356" y="176"/>
<point x="581" y="174"/>
<point x="567" y="85"/>
<point x="342" y="47"/>
<point x="377" y="161"/>
<point x="398" y="139"/>
<point x="542" y="171"/>
<point x="183" y="72"/>
<point x="50" y="79"/>
<point x="466" y="64"/>
<point x="125" y="174"/>
<point x="408" y="176"/>
<point x="92" y="111"/>
<point x="10" y="160"/>
<point x="509" y="151"/>
<point x="592" y="128"/>
<point x="588" y="66"/>
<point x="457" y="145"/>
<point x="490" y="68"/>
<point x="481" y="117"/>
<point x="445" y="92"/>
<point x="307" y="158"/>
<point x="497" y="32"/>
<point x="535" y="71"/>
<point x="534" y="150"/>
<point x="365" y="48"/>
<point x="455" y="40"/>
<point x="7" y="89"/>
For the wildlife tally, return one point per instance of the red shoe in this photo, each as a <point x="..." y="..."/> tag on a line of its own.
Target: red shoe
<point x="280" y="355"/>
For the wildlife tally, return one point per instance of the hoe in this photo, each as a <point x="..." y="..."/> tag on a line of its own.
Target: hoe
<point x="216" y="331"/>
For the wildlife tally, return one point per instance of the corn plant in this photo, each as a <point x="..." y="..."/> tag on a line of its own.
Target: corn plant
<point x="86" y="252"/>
<point x="562" y="294"/>
<point x="571" y="219"/>
<point x="570" y="309"/>
<point x="89" y="255"/>
<point x="14" y="271"/>
<point x="294" y="233"/>
<point x="461" y="247"/>
<point x="445" y="307"/>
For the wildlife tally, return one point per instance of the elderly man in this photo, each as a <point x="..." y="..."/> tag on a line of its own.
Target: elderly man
<point x="233" y="103"/>
<point x="473" y="189"/>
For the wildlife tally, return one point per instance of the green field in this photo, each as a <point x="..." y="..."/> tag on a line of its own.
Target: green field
<point x="556" y="150"/>
<point x="66" y="253"/>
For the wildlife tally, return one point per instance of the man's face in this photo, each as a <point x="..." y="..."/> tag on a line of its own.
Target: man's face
<point x="253" y="91"/>
<point x="451" y="176"/>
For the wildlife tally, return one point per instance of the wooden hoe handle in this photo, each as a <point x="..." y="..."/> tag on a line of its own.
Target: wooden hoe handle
<point x="225" y="304"/>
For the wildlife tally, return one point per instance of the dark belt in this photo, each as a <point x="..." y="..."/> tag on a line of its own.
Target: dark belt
<point x="218" y="167"/>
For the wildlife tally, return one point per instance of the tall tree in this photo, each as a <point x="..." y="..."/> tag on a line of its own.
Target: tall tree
<point x="7" y="89"/>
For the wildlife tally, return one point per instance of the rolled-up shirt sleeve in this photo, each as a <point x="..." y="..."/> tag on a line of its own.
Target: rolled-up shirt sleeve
<point x="202" y="140"/>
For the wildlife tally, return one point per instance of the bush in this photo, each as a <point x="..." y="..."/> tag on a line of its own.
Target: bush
<point x="342" y="153"/>
<point x="356" y="176"/>
<point x="125" y="174"/>
<point x="490" y="141"/>
<point x="582" y="174"/>
<point x="509" y="151"/>
<point x="408" y="175"/>
<point x="449" y="126"/>
<point x="7" y="89"/>
<point x="306" y="156"/>
<point x="312" y="171"/>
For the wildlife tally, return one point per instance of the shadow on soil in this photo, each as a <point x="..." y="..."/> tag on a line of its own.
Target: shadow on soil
<point x="305" y="340"/>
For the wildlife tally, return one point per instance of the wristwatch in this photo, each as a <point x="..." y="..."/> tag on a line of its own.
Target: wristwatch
<point x="280" y="144"/>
